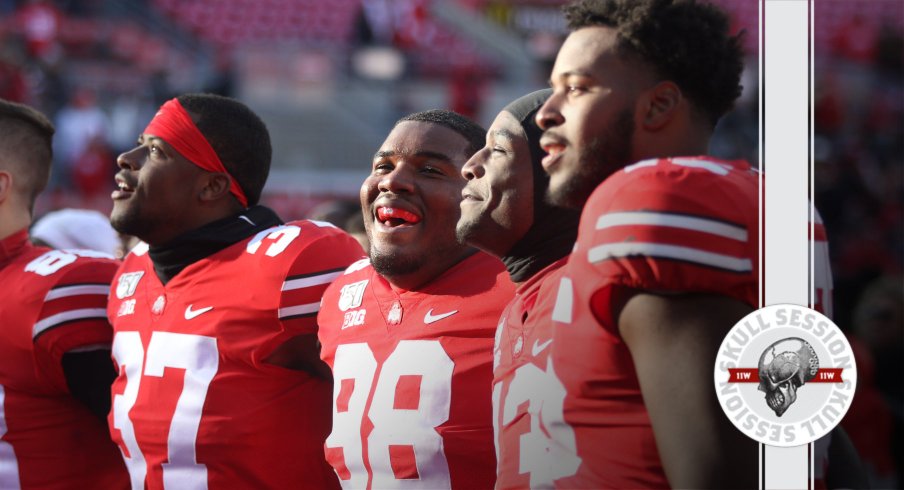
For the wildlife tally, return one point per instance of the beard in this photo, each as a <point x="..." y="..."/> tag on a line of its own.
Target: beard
<point x="391" y="264"/>
<point x="468" y="229"/>
<point x="129" y="221"/>
<point x="601" y="158"/>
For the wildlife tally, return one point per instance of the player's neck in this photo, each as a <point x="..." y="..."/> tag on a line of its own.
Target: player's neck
<point x="675" y="141"/>
<point x="201" y="217"/>
<point x="12" y="220"/>
<point x="427" y="274"/>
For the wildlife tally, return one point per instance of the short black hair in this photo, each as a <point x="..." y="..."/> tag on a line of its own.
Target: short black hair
<point x="474" y="133"/>
<point x="684" y="41"/>
<point x="26" y="146"/>
<point x="239" y="137"/>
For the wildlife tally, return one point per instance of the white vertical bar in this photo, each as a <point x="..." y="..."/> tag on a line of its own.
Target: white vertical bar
<point x="786" y="136"/>
<point x="761" y="457"/>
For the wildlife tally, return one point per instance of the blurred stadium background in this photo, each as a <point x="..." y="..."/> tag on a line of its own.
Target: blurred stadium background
<point x="330" y="78"/>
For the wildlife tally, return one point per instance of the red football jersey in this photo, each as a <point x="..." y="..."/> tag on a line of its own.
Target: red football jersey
<point x="413" y="374"/>
<point x="525" y="453"/>
<point x="54" y="302"/>
<point x="679" y="224"/>
<point x="195" y="404"/>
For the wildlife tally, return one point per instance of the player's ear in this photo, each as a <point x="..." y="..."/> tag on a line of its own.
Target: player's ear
<point x="659" y="104"/>
<point x="6" y="185"/>
<point x="215" y="185"/>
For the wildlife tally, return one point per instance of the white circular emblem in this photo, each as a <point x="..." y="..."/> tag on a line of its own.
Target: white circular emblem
<point x="785" y="375"/>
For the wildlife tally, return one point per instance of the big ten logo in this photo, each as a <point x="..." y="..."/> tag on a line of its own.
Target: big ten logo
<point x="354" y="318"/>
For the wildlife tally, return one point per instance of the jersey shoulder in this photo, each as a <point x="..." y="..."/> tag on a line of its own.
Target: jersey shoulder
<point x="674" y="224"/>
<point x="60" y="268"/>
<point x="304" y="236"/>
<point x="350" y="283"/>
<point x="698" y="184"/>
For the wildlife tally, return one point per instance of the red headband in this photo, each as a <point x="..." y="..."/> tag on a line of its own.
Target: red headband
<point x="173" y="125"/>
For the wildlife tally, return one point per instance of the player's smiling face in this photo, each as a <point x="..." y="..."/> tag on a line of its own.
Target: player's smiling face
<point x="410" y="200"/>
<point x="588" y="120"/>
<point x="497" y="201"/>
<point x="156" y="187"/>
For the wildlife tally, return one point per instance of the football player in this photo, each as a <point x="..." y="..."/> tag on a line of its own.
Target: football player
<point x="220" y="383"/>
<point x="666" y="259"/>
<point x="504" y="212"/>
<point x="55" y="368"/>
<point x="409" y="332"/>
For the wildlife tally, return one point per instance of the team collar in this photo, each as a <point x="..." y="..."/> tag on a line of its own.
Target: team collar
<point x="13" y="246"/>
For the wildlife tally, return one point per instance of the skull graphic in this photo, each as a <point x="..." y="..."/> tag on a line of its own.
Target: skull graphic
<point x="784" y="367"/>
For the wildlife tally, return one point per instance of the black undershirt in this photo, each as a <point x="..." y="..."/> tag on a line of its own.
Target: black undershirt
<point x="169" y="259"/>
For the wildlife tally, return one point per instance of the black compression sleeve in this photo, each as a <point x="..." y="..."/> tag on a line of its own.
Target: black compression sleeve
<point x="89" y="376"/>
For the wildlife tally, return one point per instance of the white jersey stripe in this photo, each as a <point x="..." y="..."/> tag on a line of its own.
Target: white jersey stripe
<point x="647" y="218"/>
<point x="306" y="282"/>
<point x="66" y="316"/>
<point x="626" y="249"/>
<point x="299" y="310"/>
<point x="66" y="291"/>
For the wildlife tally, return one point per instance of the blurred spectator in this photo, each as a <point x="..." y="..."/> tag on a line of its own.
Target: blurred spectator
<point x="222" y="81"/>
<point x="870" y="423"/>
<point x="48" y="83"/>
<point x="76" y="229"/>
<point x="93" y="170"/>
<point x="128" y="117"/>
<point x="40" y="23"/>
<point x="856" y="40"/>
<point x="879" y="322"/>
<point x="13" y="86"/>
<point x="466" y="90"/>
<point x="78" y="124"/>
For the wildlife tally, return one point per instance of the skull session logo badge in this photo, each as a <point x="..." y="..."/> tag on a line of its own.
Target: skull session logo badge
<point x="785" y="375"/>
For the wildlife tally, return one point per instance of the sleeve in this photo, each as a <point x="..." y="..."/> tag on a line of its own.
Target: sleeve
<point x="73" y="316"/>
<point x="322" y="261"/>
<point x="672" y="228"/>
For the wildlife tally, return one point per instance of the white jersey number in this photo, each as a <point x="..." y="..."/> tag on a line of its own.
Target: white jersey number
<point x="55" y="260"/>
<point x="9" y="467"/>
<point x="280" y="238"/>
<point x="539" y="456"/>
<point x="402" y="428"/>
<point x="198" y="356"/>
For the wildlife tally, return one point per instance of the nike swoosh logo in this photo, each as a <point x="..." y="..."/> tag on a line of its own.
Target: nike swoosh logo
<point x="538" y="347"/>
<point x="430" y="317"/>
<point x="190" y="313"/>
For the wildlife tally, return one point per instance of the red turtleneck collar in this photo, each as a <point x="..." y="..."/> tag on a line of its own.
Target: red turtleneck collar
<point x="13" y="246"/>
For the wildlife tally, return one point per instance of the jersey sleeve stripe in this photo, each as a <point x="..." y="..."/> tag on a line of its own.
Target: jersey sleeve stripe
<point x="716" y="168"/>
<point x="67" y="316"/>
<point x="76" y="290"/>
<point x="297" y="311"/>
<point x="310" y="280"/>
<point x="646" y="218"/>
<point x="687" y="254"/>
